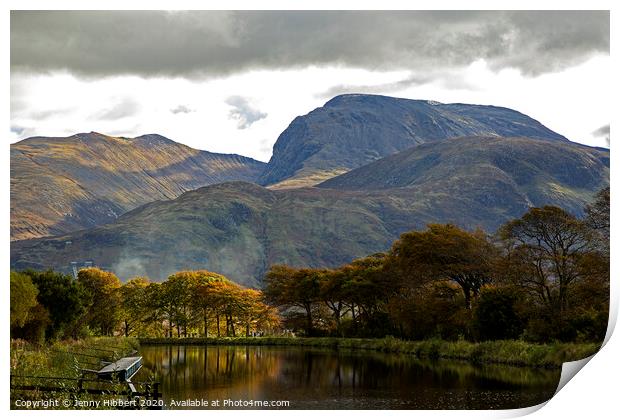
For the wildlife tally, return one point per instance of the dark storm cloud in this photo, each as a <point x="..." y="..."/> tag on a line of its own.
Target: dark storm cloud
<point x="243" y="112"/>
<point x="602" y="132"/>
<point x="191" y="44"/>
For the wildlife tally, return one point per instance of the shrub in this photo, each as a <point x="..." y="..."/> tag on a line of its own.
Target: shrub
<point x="495" y="316"/>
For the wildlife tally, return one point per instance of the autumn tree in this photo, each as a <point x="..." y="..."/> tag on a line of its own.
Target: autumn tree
<point x="434" y="309"/>
<point x="267" y="318"/>
<point x="191" y="301"/>
<point x="333" y="292"/>
<point x="445" y="252"/>
<point x="102" y="291"/>
<point x="175" y="299"/>
<point x="548" y="250"/>
<point x="597" y="214"/>
<point x="597" y="219"/>
<point x="251" y="309"/>
<point x="224" y="296"/>
<point x="368" y="283"/>
<point x="294" y="288"/>
<point x="134" y="305"/>
<point x="206" y="298"/>
<point x="156" y="311"/>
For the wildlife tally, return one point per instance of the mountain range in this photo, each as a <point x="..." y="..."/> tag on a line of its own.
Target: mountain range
<point x="59" y="185"/>
<point x="344" y="181"/>
<point x="352" y="130"/>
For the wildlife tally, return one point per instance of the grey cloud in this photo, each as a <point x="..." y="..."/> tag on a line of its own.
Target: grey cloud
<point x="43" y="115"/>
<point x="243" y="112"/>
<point x="378" y="88"/>
<point x="125" y="108"/>
<point x="602" y="132"/>
<point x="17" y="129"/>
<point x="216" y="43"/>
<point x="24" y="132"/>
<point x="182" y="109"/>
<point x="448" y="79"/>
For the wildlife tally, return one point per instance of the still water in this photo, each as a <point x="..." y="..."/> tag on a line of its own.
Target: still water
<point x="314" y="378"/>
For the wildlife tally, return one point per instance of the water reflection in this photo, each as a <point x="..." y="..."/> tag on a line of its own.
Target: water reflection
<point x="327" y="379"/>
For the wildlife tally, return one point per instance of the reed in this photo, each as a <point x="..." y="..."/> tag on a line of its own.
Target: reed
<point x="510" y="352"/>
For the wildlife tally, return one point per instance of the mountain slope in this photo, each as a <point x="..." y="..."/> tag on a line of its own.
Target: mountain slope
<point x="240" y="229"/>
<point x="498" y="171"/>
<point x="60" y="185"/>
<point x="352" y="130"/>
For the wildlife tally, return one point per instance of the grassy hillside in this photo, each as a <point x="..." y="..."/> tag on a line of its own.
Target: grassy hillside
<point x="60" y="185"/>
<point x="240" y="229"/>
<point x="499" y="172"/>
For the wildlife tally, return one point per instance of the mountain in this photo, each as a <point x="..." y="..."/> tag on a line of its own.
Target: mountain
<point x="240" y="229"/>
<point x="507" y="173"/>
<point x="59" y="185"/>
<point x="352" y="130"/>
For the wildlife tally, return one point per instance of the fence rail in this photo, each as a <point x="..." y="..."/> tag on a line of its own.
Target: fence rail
<point x="148" y="390"/>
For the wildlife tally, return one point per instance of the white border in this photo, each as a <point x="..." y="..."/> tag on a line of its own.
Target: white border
<point x="593" y="394"/>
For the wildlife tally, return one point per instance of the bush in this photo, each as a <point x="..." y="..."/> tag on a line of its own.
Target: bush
<point x="34" y="328"/>
<point x="495" y="316"/>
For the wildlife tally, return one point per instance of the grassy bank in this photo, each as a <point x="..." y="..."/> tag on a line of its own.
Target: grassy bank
<point x="51" y="372"/>
<point x="66" y="358"/>
<point x="511" y="352"/>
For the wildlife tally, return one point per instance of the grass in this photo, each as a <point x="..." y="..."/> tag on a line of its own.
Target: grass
<point x="510" y="352"/>
<point x="66" y="358"/>
<point x="60" y="364"/>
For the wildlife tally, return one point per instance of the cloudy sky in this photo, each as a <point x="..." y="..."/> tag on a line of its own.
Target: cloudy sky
<point x="232" y="81"/>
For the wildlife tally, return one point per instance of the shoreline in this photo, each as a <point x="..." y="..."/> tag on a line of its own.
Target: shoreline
<point x="507" y="352"/>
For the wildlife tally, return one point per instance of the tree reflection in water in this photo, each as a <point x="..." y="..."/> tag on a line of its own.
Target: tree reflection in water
<point x="327" y="379"/>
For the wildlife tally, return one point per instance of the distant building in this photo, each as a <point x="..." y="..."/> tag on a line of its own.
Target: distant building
<point x="76" y="266"/>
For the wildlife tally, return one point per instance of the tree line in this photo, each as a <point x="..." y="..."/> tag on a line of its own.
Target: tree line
<point x="50" y="305"/>
<point x="542" y="277"/>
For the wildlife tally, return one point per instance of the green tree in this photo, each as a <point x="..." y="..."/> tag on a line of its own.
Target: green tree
<point x="23" y="298"/>
<point x="63" y="299"/>
<point x="496" y="316"/>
